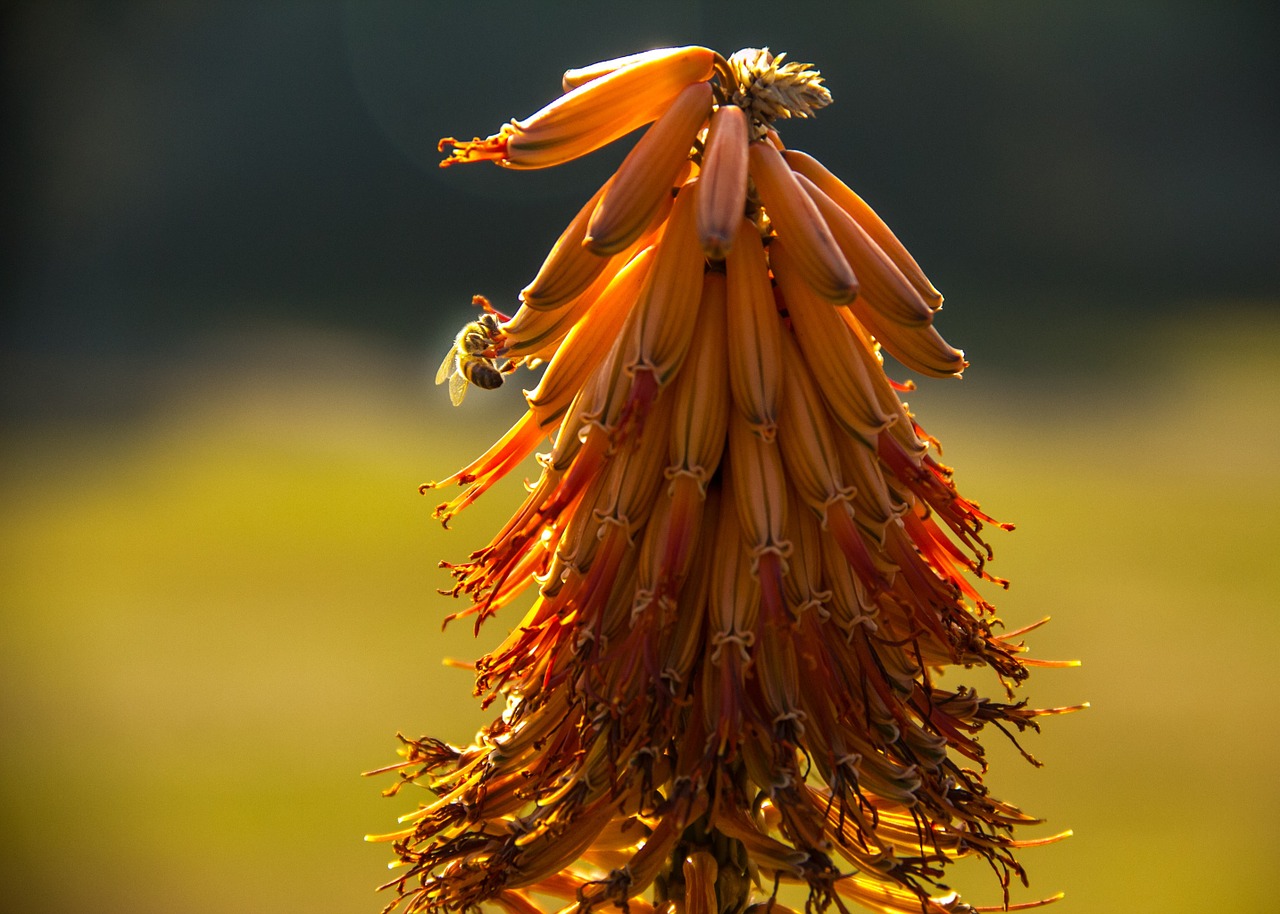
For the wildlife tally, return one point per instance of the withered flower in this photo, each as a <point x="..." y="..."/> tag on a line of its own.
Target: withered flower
<point x="748" y="565"/>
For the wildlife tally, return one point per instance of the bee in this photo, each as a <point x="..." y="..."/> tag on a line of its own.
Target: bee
<point x="472" y="359"/>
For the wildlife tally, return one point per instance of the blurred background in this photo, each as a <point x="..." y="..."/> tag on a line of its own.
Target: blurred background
<point x="232" y="267"/>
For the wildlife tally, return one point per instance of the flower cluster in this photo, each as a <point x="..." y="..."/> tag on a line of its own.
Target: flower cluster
<point x="748" y="565"/>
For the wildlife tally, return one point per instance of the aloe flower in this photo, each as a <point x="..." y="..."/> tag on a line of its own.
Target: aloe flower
<point x="743" y="565"/>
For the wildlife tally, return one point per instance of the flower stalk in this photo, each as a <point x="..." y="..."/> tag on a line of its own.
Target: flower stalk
<point x="742" y="566"/>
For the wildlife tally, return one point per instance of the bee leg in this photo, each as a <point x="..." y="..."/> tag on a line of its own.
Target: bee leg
<point x="481" y="302"/>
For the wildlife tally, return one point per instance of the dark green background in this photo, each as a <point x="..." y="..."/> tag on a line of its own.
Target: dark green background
<point x="181" y="167"/>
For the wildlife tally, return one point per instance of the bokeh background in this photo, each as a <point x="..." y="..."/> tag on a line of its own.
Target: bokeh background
<point x="231" y="268"/>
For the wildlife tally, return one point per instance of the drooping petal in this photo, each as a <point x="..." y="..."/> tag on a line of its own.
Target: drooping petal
<point x="646" y="175"/>
<point x="921" y="349"/>
<point x="807" y="440"/>
<point x="701" y="393"/>
<point x="754" y="331"/>
<point x="533" y="334"/>
<point x="588" y="342"/>
<point x="881" y="285"/>
<point x="796" y="219"/>
<point x="866" y="217"/>
<point x="570" y="267"/>
<point x="825" y="342"/>
<point x="722" y="195"/>
<point x="593" y="115"/>
<point x="667" y="310"/>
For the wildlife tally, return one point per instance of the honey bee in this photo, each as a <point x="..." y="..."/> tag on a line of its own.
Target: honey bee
<point x="472" y="359"/>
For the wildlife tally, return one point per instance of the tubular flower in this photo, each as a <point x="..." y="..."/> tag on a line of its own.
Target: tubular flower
<point x="741" y="566"/>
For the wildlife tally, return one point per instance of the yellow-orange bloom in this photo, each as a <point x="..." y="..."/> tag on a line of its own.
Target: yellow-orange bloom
<point x="648" y="173"/>
<point x="742" y="566"/>
<point x="591" y="115"/>
<point x="724" y="181"/>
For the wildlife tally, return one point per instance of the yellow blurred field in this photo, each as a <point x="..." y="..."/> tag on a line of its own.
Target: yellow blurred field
<point x="216" y="615"/>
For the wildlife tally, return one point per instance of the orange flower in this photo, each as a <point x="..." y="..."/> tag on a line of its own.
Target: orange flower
<point x="746" y="566"/>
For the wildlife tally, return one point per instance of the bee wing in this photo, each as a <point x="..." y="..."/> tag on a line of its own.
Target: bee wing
<point x="457" y="388"/>
<point x="446" y="366"/>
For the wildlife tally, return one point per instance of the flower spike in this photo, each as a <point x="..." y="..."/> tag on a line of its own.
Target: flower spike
<point x="746" y="567"/>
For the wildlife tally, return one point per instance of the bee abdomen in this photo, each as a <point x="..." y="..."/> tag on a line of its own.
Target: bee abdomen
<point x="484" y="376"/>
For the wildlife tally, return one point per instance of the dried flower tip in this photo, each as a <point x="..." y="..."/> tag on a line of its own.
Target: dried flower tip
<point x="770" y="89"/>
